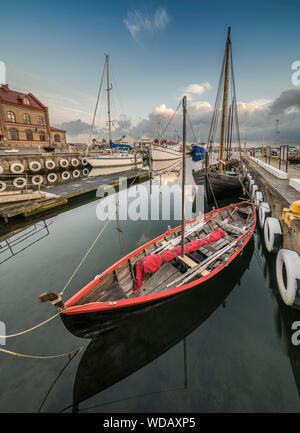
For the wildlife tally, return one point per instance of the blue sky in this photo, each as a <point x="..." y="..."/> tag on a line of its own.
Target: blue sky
<point x="56" y="50"/>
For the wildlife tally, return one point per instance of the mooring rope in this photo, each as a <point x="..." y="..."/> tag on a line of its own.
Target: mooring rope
<point x="22" y="355"/>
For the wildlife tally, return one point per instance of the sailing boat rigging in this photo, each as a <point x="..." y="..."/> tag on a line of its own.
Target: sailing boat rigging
<point x="163" y="268"/>
<point x="120" y="155"/>
<point x="222" y="175"/>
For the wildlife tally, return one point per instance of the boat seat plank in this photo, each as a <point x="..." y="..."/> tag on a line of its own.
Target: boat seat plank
<point x="186" y="260"/>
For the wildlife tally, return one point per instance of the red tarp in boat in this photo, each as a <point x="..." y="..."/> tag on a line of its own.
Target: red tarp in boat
<point x="152" y="263"/>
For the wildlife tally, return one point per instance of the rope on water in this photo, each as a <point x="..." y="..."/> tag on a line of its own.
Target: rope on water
<point x="30" y="329"/>
<point x="22" y="355"/>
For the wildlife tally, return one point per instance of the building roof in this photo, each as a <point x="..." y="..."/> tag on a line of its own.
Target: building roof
<point x="12" y="97"/>
<point x="52" y="128"/>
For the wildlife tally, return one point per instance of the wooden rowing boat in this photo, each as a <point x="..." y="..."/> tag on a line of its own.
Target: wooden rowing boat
<point x="110" y="299"/>
<point x="144" y="337"/>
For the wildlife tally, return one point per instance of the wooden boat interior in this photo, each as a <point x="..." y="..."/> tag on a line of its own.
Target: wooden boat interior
<point x="119" y="283"/>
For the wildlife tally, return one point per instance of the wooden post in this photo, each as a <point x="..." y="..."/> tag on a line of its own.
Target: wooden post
<point x="183" y="174"/>
<point x="224" y="109"/>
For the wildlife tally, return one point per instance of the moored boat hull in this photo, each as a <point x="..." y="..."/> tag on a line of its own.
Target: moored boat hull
<point x="109" y="161"/>
<point x="160" y="153"/>
<point x="88" y="315"/>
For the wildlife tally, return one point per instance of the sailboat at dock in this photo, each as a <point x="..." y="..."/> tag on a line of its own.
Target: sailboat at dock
<point x="223" y="175"/>
<point x="162" y="269"/>
<point x="119" y="155"/>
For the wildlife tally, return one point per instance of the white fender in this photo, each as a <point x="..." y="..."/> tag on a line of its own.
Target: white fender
<point x="37" y="180"/>
<point x="74" y="162"/>
<point x="52" y="177"/>
<point x="254" y="189"/>
<point x="258" y="198"/>
<point x="84" y="161"/>
<point x="2" y="186"/>
<point x="76" y="173"/>
<point x="85" y="172"/>
<point x="272" y="235"/>
<point x="291" y="261"/>
<point x="35" y="166"/>
<point x="65" y="175"/>
<point x="64" y="163"/>
<point x="49" y="164"/>
<point x="1" y="169"/>
<point x="264" y="212"/>
<point x="19" y="182"/>
<point x="17" y="167"/>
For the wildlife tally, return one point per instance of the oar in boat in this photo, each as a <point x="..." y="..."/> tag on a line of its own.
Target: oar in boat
<point x="176" y="241"/>
<point x="195" y="270"/>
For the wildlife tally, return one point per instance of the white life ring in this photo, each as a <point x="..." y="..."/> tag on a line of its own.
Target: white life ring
<point x="35" y="166"/>
<point x="49" y="164"/>
<point x="85" y="172"/>
<point x="2" y="186"/>
<point x="37" y="179"/>
<point x="17" y="167"/>
<point x="258" y="198"/>
<point x="264" y="212"/>
<point x="84" y="161"/>
<point x="74" y="162"/>
<point x="52" y="177"/>
<point x="76" y="173"/>
<point x="65" y="175"/>
<point x="64" y="163"/>
<point x="272" y="235"/>
<point x="19" y="182"/>
<point x="291" y="261"/>
<point x="1" y="169"/>
<point x="254" y="188"/>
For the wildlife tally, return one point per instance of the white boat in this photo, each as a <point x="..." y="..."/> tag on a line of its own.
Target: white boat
<point x="119" y="155"/>
<point x="115" y="159"/>
<point x="165" y="152"/>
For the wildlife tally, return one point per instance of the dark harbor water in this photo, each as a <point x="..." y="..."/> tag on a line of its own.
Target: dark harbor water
<point x="222" y="347"/>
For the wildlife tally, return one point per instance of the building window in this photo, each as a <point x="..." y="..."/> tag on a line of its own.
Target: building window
<point x="29" y="135"/>
<point x="26" y="118"/>
<point x="57" y="137"/>
<point x="40" y="120"/>
<point x="11" y="117"/>
<point x="14" y="134"/>
<point x="26" y="101"/>
<point x="42" y="136"/>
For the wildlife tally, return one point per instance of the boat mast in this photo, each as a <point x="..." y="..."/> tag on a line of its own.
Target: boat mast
<point x="183" y="173"/>
<point x="108" y="96"/>
<point x="224" y="109"/>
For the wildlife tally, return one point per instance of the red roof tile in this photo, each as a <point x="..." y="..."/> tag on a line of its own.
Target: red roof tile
<point x="13" y="97"/>
<point x="57" y="129"/>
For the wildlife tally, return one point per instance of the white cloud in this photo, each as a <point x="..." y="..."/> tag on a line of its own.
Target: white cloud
<point x="137" y="22"/>
<point x="197" y="89"/>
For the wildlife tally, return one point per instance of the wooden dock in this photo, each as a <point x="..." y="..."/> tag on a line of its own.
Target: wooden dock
<point x="279" y="194"/>
<point x="61" y="194"/>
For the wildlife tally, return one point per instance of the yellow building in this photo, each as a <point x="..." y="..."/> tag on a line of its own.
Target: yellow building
<point x="24" y="121"/>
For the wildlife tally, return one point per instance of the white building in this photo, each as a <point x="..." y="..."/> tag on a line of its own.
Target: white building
<point x="144" y="140"/>
<point x="128" y="139"/>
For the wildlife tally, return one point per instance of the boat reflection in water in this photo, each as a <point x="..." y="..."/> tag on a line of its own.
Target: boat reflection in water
<point x="144" y="337"/>
<point x="164" y="172"/>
